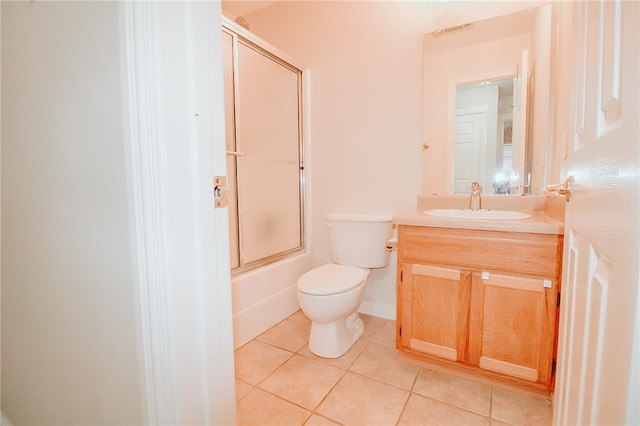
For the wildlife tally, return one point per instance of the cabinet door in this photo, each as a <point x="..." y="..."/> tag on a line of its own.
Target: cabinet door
<point x="512" y="325"/>
<point x="435" y="310"/>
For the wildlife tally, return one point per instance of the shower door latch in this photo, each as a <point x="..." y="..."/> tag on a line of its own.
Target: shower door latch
<point x="220" y="191"/>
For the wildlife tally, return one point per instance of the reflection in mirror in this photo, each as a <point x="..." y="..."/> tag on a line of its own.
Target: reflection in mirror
<point x="483" y="142"/>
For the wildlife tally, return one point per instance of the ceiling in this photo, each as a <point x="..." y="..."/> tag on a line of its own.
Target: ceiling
<point x="424" y="15"/>
<point x="235" y="8"/>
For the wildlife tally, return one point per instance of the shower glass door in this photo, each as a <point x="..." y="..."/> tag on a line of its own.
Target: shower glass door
<point x="264" y="146"/>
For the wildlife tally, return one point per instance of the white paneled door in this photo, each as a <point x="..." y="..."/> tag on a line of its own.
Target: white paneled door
<point x="470" y="141"/>
<point x="597" y="380"/>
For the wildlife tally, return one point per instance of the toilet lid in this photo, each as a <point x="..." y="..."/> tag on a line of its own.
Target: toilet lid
<point x="331" y="279"/>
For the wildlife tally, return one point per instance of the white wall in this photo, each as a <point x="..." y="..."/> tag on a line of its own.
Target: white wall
<point x="69" y="344"/>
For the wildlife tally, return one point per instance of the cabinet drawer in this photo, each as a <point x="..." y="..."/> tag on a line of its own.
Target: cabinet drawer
<point x="513" y="252"/>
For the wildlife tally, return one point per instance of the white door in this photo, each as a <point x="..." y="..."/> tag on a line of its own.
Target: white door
<point x="597" y="381"/>
<point x="470" y="141"/>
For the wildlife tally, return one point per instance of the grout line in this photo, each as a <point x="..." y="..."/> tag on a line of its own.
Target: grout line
<point x="310" y="412"/>
<point x="457" y="407"/>
<point x="406" y="402"/>
<point x="252" y="387"/>
<point x="415" y="380"/>
<point x="491" y="404"/>
<point x="324" y="417"/>
<point x="291" y="354"/>
<point x="448" y="403"/>
<point x="325" y="397"/>
<point x="379" y="381"/>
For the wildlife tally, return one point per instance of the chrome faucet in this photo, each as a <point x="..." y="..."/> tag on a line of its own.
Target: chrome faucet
<point x="475" y="198"/>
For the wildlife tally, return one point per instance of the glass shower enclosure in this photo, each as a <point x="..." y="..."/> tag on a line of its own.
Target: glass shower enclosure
<point x="263" y="113"/>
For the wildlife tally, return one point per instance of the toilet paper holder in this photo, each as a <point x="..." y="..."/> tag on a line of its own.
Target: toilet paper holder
<point x="391" y="244"/>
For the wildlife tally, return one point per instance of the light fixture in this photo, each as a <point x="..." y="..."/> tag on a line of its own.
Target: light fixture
<point x="449" y="30"/>
<point x="242" y="22"/>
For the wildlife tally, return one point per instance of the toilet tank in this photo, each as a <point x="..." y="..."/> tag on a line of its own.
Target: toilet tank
<point x="358" y="239"/>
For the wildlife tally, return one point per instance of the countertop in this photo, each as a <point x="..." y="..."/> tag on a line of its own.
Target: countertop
<point x="543" y="220"/>
<point x="538" y="223"/>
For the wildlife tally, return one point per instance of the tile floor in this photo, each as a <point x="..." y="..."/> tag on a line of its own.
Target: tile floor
<point x="279" y="382"/>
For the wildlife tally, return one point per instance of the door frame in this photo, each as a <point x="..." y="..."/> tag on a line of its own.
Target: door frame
<point x="174" y="146"/>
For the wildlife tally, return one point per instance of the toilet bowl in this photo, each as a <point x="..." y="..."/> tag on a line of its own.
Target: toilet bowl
<point x="331" y="294"/>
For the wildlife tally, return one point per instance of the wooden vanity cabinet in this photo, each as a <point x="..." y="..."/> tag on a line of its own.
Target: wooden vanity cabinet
<point x="483" y="301"/>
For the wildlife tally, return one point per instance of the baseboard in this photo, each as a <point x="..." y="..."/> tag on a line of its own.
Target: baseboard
<point x="256" y="319"/>
<point x="378" y="309"/>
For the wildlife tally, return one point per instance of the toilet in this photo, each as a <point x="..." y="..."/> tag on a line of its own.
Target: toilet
<point x="330" y="295"/>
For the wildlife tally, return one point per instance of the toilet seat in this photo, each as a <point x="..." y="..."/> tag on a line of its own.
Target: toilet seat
<point x="331" y="279"/>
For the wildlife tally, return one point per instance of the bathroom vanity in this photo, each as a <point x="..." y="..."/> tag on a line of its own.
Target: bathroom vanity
<point x="482" y="296"/>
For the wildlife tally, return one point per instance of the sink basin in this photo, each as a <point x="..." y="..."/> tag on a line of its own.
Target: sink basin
<point x="478" y="214"/>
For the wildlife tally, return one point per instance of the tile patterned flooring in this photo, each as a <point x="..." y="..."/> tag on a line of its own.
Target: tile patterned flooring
<point x="279" y="382"/>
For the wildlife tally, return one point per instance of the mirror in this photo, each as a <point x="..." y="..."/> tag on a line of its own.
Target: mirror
<point x="482" y="112"/>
